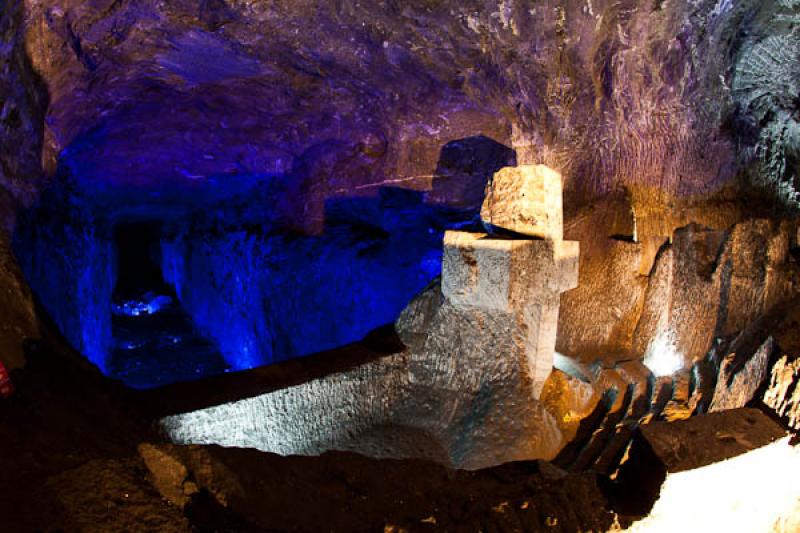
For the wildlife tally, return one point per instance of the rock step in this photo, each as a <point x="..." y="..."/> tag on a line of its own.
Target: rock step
<point x="613" y="454"/>
<point x="662" y="394"/>
<point x="632" y="397"/>
<point x="601" y="437"/>
<point x="586" y="430"/>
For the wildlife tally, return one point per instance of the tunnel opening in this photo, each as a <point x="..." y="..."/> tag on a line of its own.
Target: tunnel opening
<point x="138" y="259"/>
<point x="155" y="339"/>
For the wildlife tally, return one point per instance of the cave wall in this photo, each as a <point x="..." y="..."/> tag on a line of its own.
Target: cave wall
<point x="71" y="266"/>
<point x="23" y="101"/>
<point x="23" y="104"/>
<point x="702" y="285"/>
<point x="687" y="110"/>
<point x="675" y="102"/>
<point x="269" y="298"/>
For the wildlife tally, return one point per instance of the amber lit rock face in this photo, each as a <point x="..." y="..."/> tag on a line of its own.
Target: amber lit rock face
<point x="705" y="285"/>
<point x="783" y="392"/>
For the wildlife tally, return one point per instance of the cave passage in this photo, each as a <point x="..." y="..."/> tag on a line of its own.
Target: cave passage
<point x="188" y="283"/>
<point x="155" y="341"/>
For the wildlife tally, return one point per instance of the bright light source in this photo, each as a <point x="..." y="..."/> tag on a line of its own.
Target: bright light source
<point x="662" y="358"/>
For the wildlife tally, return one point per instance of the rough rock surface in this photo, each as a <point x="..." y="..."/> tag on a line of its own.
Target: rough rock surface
<point x="783" y="392"/>
<point x="18" y="319"/>
<point x="570" y="400"/>
<point x="466" y="394"/>
<point x="459" y="400"/>
<point x="669" y="105"/>
<point x="737" y="387"/>
<point x="669" y="100"/>
<point x="704" y="285"/>
<point x="71" y="460"/>
<point x="169" y="476"/>
<point x="527" y="200"/>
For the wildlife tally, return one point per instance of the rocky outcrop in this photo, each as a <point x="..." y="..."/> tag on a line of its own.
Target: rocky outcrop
<point x="783" y="391"/>
<point x="705" y="285"/>
<point x="737" y="387"/>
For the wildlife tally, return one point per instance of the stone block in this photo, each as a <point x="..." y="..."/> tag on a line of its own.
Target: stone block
<point x="527" y="200"/>
<point x="506" y="274"/>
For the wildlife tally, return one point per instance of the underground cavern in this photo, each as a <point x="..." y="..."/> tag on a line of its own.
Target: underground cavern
<point x="338" y="265"/>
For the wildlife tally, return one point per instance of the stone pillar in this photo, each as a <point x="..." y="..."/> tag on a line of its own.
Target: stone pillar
<point x="522" y="276"/>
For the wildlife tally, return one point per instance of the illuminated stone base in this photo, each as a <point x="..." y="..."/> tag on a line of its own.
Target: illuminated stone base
<point x="465" y="392"/>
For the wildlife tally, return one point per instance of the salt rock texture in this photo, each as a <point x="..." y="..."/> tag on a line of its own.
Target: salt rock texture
<point x="570" y="400"/>
<point x="736" y="387"/>
<point x="667" y="105"/>
<point x="527" y="200"/>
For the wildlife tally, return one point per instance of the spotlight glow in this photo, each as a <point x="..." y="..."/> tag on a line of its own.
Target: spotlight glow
<point x="662" y="358"/>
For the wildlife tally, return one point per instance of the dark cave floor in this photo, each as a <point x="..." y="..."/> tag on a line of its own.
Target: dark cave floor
<point x="71" y="459"/>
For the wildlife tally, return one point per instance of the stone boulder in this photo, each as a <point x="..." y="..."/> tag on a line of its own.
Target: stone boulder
<point x="525" y="200"/>
<point x="736" y="387"/>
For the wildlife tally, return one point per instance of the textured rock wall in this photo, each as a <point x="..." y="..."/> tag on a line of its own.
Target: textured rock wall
<point x="71" y="266"/>
<point x="668" y="100"/>
<point x="705" y="284"/>
<point x="23" y="103"/>
<point x="783" y="392"/>
<point x="267" y="298"/>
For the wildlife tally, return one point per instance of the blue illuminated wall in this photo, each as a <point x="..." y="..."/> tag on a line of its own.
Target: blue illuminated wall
<point x="70" y="266"/>
<point x="269" y="298"/>
<point x="253" y="286"/>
